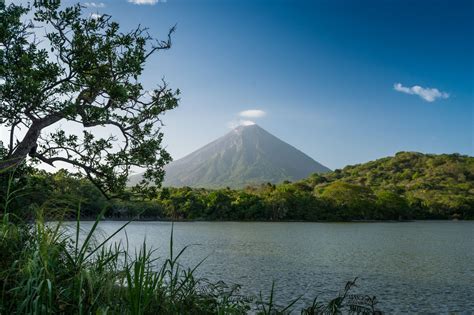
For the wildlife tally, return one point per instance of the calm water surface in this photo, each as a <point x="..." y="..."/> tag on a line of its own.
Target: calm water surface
<point x="410" y="267"/>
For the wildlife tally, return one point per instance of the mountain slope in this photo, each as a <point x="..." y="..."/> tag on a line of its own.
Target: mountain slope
<point x="246" y="155"/>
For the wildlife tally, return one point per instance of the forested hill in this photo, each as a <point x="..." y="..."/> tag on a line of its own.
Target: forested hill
<point x="406" y="186"/>
<point x="437" y="182"/>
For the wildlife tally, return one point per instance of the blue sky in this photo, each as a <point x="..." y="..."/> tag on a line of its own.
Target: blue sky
<point x="324" y="72"/>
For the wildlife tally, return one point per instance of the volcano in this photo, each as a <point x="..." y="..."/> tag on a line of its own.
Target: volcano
<point x="247" y="155"/>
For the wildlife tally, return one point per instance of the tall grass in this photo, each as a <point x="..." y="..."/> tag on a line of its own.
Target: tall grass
<point x="46" y="270"/>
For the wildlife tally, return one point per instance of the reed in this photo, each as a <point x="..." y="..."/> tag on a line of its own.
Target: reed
<point x="46" y="269"/>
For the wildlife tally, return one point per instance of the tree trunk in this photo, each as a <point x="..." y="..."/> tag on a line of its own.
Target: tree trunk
<point x="29" y="142"/>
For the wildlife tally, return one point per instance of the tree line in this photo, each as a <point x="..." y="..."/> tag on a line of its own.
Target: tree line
<point x="406" y="186"/>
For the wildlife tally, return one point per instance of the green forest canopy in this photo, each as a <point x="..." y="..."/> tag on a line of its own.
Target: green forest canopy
<point x="407" y="186"/>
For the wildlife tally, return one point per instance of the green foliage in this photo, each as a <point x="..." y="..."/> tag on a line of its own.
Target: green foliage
<point x="47" y="270"/>
<point x="58" y="193"/>
<point x="442" y="189"/>
<point x="355" y="201"/>
<point x="406" y="186"/>
<point x="392" y="205"/>
<point x="58" y="273"/>
<point x="248" y="206"/>
<point x="413" y="185"/>
<point x="88" y="75"/>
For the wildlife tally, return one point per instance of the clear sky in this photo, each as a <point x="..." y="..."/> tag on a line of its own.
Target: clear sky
<point x="343" y="81"/>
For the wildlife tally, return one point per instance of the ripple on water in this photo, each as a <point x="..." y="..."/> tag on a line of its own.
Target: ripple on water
<point x="425" y="267"/>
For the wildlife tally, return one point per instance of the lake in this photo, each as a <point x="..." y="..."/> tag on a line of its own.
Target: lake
<point x="410" y="266"/>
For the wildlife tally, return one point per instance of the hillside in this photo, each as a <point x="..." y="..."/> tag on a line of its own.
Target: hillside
<point x="437" y="182"/>
<point x="406" y="186"/>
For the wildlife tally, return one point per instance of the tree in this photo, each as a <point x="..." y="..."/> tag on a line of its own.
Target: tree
<point x="391" y="205"/>
<point x="356" y="200"/>
<point x="83" y="71"/>
<point x="247" y="206"/>
<point x="219" y="204"/>
<point x="277" y="201"/>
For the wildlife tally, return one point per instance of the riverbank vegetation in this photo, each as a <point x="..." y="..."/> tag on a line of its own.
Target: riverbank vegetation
<point x="52" y="268"/>
<point x="56" y="269"/>
<point x="406" y="186"/>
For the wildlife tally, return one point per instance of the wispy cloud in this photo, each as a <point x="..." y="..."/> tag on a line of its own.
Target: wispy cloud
<point x="252" y="113"/>
<point x="236" y="123"/>
<point x="247" y="118"/>
<point x="428" y="94"/>
<point x="141" y="2"/>
<point x="95" y="4"/>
